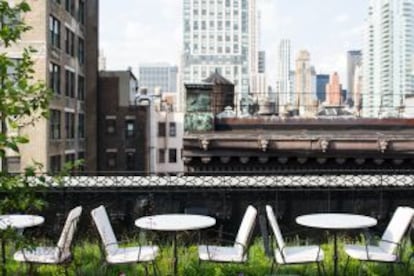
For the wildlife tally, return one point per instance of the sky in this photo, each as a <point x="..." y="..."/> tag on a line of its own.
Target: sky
<point x="146" y="31"/>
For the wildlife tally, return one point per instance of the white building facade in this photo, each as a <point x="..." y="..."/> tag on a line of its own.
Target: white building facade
<point x="284" y="89"/>
<point x="221" y="35"/>
<point x="388" y="58"/>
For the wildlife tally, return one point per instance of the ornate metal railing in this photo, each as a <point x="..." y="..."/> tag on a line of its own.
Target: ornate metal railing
<point x="237" y="182"/>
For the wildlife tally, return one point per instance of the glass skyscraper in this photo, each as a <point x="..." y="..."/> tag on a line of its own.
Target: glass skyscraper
<point x="388" y="58"/>
<point x="220" y="35"/>
<point x="158" y="75"/>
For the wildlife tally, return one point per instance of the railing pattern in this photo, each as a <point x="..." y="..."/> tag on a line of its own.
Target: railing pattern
<point x="235" y="182"/>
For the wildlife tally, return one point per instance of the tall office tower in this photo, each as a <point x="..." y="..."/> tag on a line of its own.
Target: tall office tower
<point x="354" y="59"/>
<point x="334" y="91"/>
<point x="388" y="58"/>
<point x="155" y="76"/>
<point x="284" y="87"/>
<point x="321" y="81"/>
<point x="262" y="62"/>
<point x="305" y="85"/>
<point x="220" y="35"/>
<point x="65" y="35"/>
<point x="357" y="97"/>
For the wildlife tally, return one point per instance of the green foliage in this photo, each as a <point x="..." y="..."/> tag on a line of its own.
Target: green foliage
<point x="23" y="101"/>
<point x="88" y="260"/>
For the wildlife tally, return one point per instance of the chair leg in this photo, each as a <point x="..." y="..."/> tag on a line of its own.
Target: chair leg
<point x="360" y="268"/>
<point x="391" y="269"/>
<point x="319" y="268"/>
<point x="346" y="265"/>
<point x="154" y="271"/>
<point x="272" y="267"/>
<point x="146" y="269"/>
<point x="323" y="268"/>
<point x="30" y="272"/>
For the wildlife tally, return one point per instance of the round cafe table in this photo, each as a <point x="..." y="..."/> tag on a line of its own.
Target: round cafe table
<point x="174" y="223"/>
<point x="336" y="222"/>
<point x="18" y="222"/>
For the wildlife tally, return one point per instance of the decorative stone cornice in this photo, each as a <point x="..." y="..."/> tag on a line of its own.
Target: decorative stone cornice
<point x="282" y="160"/>
<point x="263" y="159"/>
<point x="204" y="143"/>
<point x="360" y="161"/>
<point x="205" y="160"/>
<point x="225" y="159"/>
<point x="383" y="144"/>
<point x="302" y="160"/>
<point x="263" y="144"/>
<point x="244" y="160"/>
<point x="187" y="160"/>
<point x="324" y="144"/>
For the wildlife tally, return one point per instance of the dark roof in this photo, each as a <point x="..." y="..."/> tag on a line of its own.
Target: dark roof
<point x="216" y="78"/>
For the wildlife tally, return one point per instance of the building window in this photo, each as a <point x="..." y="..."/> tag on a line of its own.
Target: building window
<point x="81" y="126"/>
<point x="13" y="164"/>
<point x="54" y="31"/>
<point x="81" y="51"/>
<point x="172" y="155"/>
<point x="70" y="42"/>
<point x="69" y="84"/>
<point x="161" y="129"/>
<point x="55" y="163"/>
<point x="130" y="161"/>
<point x="111" y="160"/>
<point x="81" y="157"/>
<point x="70" y="6"/>
<point x="173" y="129"/>
<point x="70" y="158"/>
<point x="54" y="76"/>
<point x="81" y="88"/>
<point x="110" y="126"/>
<point x="81" y="11"/>
<point x="129" y="128"/>
<point x="161" y="156"/>
<point x="70" y="125"/>
<point x="54" y="124"/>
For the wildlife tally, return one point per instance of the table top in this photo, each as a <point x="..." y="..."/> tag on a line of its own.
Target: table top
<point x="336" y="221"/>
<point x="20" y="221"/>
<point x="175" y="222"/>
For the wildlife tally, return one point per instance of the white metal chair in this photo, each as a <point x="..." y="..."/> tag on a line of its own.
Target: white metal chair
<point x="60" y="254"/>
<point x="236" y="253"/>
<point x="121" y="255"/>
<point x="289" y="255"/>
<point x="388" y="249"/>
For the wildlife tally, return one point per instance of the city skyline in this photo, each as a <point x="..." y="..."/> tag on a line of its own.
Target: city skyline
<point x="131" y="36"/>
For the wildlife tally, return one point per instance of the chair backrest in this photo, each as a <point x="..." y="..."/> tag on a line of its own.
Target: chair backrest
<point x="69" y="229"/>
<point x="246" y="229"/>
<point x="397" y="227"/>
<point x="275" y="228"/>
<point x="104" y="226"/>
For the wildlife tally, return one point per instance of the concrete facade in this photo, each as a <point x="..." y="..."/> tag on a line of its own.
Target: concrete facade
<point x="122" y="124"/>
<point x="66" y="41"/>
<point x="334" y="91"/>
<point x="221" y="35"/>
<point x="305" y="85"/>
